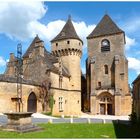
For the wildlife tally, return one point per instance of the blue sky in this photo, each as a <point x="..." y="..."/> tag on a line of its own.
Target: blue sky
<point x="21" y="21"/>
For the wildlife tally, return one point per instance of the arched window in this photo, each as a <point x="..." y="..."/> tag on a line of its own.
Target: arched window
<point x="106" y="69"/>
<point x="105" y="45"/>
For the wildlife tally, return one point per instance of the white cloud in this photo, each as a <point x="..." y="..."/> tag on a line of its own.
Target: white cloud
<point x="2" y="62"/>
<point x="53" y="28"/>
<point x="132" y="25"/>
<point x="83" y="30"/>
<point x="134" y="64"/>
<point x="20" y="20"/>
<point x="17" y="17"/>
<point x="129" y="42"/>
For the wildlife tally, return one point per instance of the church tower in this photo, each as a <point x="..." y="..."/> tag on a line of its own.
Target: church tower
<point x="107" y="70"/>
<point x="68" y="47"/>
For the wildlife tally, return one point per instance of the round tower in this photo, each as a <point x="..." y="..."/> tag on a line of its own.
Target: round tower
<point x="68" y="47"/>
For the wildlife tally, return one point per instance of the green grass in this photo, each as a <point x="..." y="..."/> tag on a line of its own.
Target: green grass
<point x="77" y="131"/>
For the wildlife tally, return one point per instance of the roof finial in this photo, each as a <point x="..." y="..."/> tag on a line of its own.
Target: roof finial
<point x="69" y="17"/>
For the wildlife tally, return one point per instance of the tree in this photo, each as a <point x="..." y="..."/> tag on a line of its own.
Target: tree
<point x="45" y="95"/>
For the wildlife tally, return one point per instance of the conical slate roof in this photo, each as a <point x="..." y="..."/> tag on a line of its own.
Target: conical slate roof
<point x="105" y="27"/>
<point x="68" y="32"/>
<point x="31" y="47"/>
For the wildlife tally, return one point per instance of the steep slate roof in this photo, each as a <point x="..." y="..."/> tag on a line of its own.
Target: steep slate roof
<point x="32" y="45"/>
<point x="13" y="79"/>
<point x="48" y="58"/>
<point x="68" y="32"/>
<point x="137" y="79"/>
<point x="105" y="27"/>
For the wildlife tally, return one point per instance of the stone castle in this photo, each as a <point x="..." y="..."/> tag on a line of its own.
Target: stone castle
<point x="58" y="74"/>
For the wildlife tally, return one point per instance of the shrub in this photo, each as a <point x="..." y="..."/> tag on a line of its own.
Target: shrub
<point x="133" y="117"/>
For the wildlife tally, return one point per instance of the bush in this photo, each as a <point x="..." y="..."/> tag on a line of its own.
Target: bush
<point x="133" y="117"/>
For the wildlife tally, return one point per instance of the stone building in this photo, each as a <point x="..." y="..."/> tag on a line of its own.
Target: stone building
<point x="136" y="97"/>
<point x="59" y="70"/>
<point x="107" y="70"/>
<point x="104" y="89"/>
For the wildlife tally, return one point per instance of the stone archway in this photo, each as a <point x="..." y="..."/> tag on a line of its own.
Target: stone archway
<point x="32" y="103"/>
<point x="106" y="104"/>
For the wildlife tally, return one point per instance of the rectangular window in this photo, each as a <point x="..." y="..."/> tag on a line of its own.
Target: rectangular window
<point x="122" y="76"/>
<point x="60" y="104"/>
<point x="99" y="84"/>
<point x="60" y="82"/>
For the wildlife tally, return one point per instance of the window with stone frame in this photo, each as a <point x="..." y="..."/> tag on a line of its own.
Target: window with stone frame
<point x="106" y="69"/>
<point x="122" y="76"/>
<point x="60" y="81"/>
<point x="105" y="45"/>
<point x="99" y="84"/>
<point x="60" y="100"/>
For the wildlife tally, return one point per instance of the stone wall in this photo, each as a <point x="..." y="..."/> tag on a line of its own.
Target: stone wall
<point x="9" y="91"/>
<point x="71" y="102"/>
<point x="70" y="55"/>
<point x="71" y="98"/>
<point x="117" y="77"/>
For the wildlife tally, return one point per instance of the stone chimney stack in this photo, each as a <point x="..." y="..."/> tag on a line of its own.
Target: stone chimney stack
<point x="12" y="57"/>
<point x="39" y="47"/>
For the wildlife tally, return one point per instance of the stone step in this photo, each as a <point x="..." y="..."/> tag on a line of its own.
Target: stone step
<point x="22" y="128"/>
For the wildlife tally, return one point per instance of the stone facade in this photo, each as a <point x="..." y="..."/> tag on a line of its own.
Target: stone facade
<point x="60" y="69"/>
<point x="107" y="71"/>
<point x="105" y="87"/>
<point x="8" y="94"/>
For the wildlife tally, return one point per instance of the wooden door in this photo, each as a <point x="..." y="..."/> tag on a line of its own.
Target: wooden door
<point x="32" y="103"/>
<point x="109" y="109"/>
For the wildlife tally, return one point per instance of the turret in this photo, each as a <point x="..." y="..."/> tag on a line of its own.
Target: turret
<point x="68" y="47"/>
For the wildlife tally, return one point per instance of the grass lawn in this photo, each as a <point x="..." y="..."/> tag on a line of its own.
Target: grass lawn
<point x="76" y="131"/>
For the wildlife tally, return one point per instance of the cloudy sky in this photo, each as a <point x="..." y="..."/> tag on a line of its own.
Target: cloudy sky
<point x="21" y="21"/>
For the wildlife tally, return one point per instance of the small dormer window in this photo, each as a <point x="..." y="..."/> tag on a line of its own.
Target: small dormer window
<point x="56" y="44"/>
<point x="68" y="42"/>
<point x="105" y="45"/>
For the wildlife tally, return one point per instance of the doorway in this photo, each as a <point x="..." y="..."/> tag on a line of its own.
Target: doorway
<point x="109" y="109"/>
<point x="106" y="103"/>
<point x="32" y="103"/>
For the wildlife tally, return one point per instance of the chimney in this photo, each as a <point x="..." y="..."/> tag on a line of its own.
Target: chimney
<point x="39" y="48"/>
<point x="12" y="57"/>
